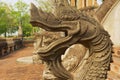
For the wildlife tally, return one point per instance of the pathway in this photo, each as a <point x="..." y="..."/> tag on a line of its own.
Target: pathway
<point x="12" y="70"/>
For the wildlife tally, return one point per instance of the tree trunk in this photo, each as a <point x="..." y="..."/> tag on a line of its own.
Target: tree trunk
<point x="5" y="34"/>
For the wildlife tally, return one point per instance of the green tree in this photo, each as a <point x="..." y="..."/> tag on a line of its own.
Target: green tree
<point x="13" y="17"/>
<point x="23" y="18"/>
<point x="5" y="18"/>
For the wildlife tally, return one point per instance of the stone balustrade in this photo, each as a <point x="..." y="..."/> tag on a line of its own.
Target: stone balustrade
<point x="9" y="45"/>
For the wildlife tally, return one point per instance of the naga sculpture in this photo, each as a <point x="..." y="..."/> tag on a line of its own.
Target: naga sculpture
<point x="78" y="29"/>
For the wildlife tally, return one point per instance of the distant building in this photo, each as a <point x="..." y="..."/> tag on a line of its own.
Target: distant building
<point x="83" y="3"/>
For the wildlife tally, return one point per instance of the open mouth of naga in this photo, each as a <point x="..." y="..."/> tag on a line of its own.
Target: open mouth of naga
<point x="81" y="29"/>
<point x="49" y="22"/>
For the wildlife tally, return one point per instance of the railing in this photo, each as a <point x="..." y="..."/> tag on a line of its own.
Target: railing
<point x="9" y="45"/>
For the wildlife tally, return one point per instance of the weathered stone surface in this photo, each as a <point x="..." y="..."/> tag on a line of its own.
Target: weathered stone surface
<point x="78" y="29"/>
<point x="36" y="59"/>
<point x="43" y="39"/>
<point x="114" y="73"/>
<point x="73" y="56"/>
<point x="9" y="45"/>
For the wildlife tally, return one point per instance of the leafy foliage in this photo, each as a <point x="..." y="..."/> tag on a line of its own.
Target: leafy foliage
<point x="5" y="18"/>
<point x="23" y="18"/>
<point x="12" y="16"/>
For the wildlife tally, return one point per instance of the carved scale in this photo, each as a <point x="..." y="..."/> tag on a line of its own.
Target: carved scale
<point x="78" y="28"/>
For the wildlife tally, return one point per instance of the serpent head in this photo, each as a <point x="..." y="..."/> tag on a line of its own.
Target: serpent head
<point x="50" y="22"/>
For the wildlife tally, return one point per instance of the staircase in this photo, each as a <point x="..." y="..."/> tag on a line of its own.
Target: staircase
<point x="114" y="73"/>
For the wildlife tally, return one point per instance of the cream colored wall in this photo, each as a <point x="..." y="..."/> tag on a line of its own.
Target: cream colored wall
<point x="111" y="23"/>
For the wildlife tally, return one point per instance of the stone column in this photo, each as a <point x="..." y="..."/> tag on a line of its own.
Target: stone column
<point x="72" y="3"/>
<point x="90" y="3"/>
<point x="79" y="4"/>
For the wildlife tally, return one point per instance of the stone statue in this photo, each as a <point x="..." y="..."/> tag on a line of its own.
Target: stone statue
<point x="78" y="29"/>
<point x="37" y="44"/>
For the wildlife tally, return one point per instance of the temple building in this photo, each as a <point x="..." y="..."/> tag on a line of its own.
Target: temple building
<point x="83" y="3"/>
<point x="111" y="23"/>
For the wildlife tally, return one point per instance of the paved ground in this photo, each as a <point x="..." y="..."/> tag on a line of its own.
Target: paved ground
<point x="12" y="70"/>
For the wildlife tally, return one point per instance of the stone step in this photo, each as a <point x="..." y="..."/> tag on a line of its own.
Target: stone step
<point x="113" y="76"/>
<point x="114" y="73"/>
<point x="115" y="67"/>
<point x="116" y="59"/>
